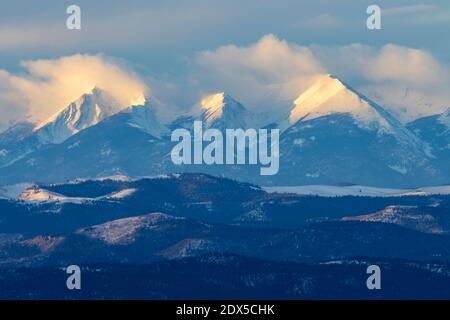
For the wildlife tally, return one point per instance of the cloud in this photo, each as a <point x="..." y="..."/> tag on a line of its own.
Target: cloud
<point x="389" y="63"/>
<point x="272" y="71"/>
<point x="321" y="21"/>
<point x="269" y="73"/>
<point x="420" y="16"/>
<point x="395" y="63"/>
<point x="268" y="70"/>
<point x="408" y="82"/>
<point x="420" y="8"/>
<point x="46" y="86"/>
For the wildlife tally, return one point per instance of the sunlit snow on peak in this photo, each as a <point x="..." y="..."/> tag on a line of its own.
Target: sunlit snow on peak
<point x="138" y="101"/>
<point x="213" y="102"/>
<point x="329" y="95"/>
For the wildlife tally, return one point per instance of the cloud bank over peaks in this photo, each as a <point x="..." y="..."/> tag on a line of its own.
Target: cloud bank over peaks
<point x="270" y="70"/>
<point x="409" y="82"/>
<point x="265" y="75"/>
<point x="46" y="86"/>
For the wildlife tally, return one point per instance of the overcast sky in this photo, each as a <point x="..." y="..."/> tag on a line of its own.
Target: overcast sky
<point x="259" y="51"/>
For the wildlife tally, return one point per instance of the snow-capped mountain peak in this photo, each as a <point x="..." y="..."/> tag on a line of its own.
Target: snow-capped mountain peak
<point x="220" y="109"/>
<point x="329" y="95"/>
<point x="139" y="101"/>
<point x="86" y="111"/>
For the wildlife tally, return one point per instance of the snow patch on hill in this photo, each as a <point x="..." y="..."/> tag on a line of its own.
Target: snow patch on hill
<point x="405" y="216"/>
<point x="36" y="194"/>
<point x="124" y="231"/>
<point x="187" y="248"/>
<point x="357" y="190"/>
<point x="121" y="194"/>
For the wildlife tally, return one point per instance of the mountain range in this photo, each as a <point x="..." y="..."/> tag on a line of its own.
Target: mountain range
<point x="332" y="135"/>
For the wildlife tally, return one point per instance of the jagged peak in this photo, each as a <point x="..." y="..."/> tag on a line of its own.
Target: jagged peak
<point x="218" y="101"/>
<point x="221" y="107"/>
<point x="89" y="109"/>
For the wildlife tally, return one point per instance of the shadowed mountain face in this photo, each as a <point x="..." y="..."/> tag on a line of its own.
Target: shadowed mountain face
<point x="332" y="135"/>
<point x="435" y="131"/>
<point x="333" y="149"/>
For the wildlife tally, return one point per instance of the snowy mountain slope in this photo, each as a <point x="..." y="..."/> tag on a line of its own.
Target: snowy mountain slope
<point x="189" y="248"/>
<point x="17" y="142"/>
<point x="359" y="191"/>
<point x="444" y="118"/>
<point x="15" y="133"/>
<point x="406" y="104"/>
<point x="124" y="231"/>
<point x="218" y="110"/>
<point x="337" y="191"/>
<point x="221" y="111"/>
<point x="329" y="96"/>
<point x="406" y="216"/>
<point x="34" y="194"/>
<point x="38" y="195"/>
<point x="435" y="131"/>
<point x="334" y="150"/>
<point x="143" y="117"/>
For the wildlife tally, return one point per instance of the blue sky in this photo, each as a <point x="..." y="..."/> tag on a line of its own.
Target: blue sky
<point x="159" y="34"/>
<point x="164" y="42"/>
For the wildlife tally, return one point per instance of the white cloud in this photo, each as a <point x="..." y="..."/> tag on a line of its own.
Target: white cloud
<point x="419" y="8"/>
<point x="47" y="86"/>
<point x="408" y="82"/>
<point x="271" y="71"/>
<point x="409" y="65"/>
<point x="322" y="21"/>
<point x="266" y="71"/>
